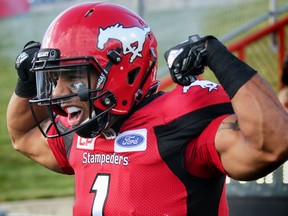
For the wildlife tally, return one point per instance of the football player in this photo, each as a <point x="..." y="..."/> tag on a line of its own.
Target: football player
<point x="92" y="89"/>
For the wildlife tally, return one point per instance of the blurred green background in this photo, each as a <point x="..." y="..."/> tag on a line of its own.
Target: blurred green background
<point x="171" y="21"/>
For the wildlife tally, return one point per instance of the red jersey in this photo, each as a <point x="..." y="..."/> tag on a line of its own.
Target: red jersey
<point x="163" y="160"/>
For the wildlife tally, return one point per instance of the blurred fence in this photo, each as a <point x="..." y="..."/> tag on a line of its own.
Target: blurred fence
<point x="264" y="50"/>
<point x="266" y="54"/>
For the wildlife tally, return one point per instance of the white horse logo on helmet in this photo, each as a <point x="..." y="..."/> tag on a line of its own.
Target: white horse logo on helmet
<point x="131" y="38"/>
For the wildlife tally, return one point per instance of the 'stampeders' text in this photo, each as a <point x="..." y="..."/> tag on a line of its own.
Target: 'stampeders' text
<point x="101" y="159"/>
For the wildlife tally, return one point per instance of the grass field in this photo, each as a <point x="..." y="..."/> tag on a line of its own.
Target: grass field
<point x="21" y="178"/>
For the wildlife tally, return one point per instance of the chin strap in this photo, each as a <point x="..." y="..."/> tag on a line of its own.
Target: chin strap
<point x="139" y="94"/>
<point x="109" y="133"/>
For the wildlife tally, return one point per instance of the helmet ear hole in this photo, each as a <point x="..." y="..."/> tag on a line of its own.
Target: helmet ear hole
<point x="132" y="75"/>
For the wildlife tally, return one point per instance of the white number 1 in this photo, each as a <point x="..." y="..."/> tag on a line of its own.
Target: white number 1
<point x="100" y="188"/>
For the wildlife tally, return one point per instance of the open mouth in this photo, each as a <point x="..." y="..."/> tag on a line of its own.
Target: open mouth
<point x="75" y="115"/>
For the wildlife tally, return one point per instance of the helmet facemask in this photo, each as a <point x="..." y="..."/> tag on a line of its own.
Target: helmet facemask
<point x="80" y="75"/>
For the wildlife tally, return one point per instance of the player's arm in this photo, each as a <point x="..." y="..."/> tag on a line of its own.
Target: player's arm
<point x="25" y="135"/>
<point x="254" y="141"/>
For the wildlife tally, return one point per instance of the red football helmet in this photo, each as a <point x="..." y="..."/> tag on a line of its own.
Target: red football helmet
<point x="102" y="37"/>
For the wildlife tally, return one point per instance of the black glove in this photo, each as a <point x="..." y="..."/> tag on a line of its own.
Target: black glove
<point x="26" y="85"/>
<point x="187" y="60"/>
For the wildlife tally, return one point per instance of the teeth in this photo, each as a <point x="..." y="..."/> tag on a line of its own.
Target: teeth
<point x="73" y="109"/>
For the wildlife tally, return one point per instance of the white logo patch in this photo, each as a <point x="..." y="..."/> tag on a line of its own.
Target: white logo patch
<point x="203" y="84"/>
<point x="131" y="141"/>
<point x="131" y="38"/>
<point x="85" y="143"/>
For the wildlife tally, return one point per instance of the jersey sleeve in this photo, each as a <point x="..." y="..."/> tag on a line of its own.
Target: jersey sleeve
<point x="57" y="146"/>
<point x="201" y="157"/>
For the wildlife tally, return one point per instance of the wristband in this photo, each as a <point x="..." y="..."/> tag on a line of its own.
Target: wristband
<point x="230" y="71"/>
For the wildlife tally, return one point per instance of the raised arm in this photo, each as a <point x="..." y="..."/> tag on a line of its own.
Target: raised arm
<point x="25" y="135"/>
<point x="254" y="141"/>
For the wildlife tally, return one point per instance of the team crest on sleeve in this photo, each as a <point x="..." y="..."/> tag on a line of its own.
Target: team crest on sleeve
<point x="132" y="39"/>
<point x="131" y="141"/>
<point x="205" y="84"/>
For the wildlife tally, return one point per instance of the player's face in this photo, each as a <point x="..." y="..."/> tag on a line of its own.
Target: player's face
<point x="70" y="82"/>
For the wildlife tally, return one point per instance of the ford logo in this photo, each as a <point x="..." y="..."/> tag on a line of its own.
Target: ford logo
<point x="130" y="140"/>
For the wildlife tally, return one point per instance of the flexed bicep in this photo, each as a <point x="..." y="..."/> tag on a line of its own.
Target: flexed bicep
<point x="242" y="158"/>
